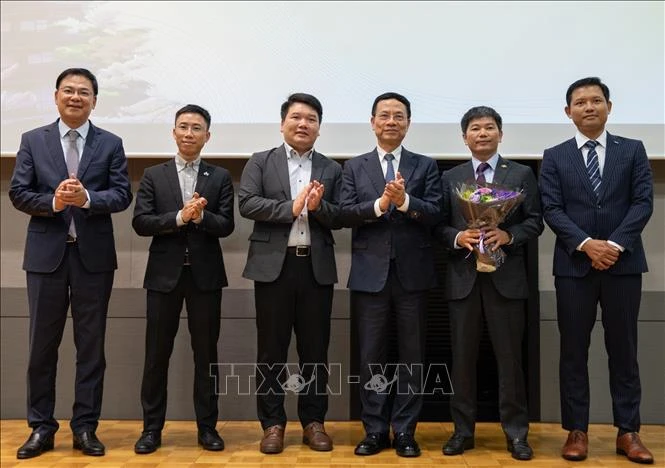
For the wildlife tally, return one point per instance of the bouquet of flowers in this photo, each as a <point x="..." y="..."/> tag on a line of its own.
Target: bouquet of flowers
<point x="484" y="207"/>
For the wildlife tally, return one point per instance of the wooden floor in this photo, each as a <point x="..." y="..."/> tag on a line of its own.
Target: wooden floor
<point x="179" y="447"/>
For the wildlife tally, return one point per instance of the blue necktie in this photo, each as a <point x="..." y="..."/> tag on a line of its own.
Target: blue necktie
<point x="390" y="171"/>
<point x="480" y="172"/>
<point x="592" y="167"/>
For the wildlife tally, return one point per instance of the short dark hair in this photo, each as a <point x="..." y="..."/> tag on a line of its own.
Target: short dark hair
<point x="194" y="109"/>
<point x="302" y="98"/>
<point x="78" y="72"/>
<point x="391" y="95"/>
<point x="479" y="112"/>
<point x="589" y="81"/>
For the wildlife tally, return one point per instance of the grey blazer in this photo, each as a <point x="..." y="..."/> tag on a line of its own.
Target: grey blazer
<point x="265" y="197"/>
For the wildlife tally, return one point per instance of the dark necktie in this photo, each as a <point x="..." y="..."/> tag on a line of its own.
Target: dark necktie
<point x="72" y="160"/>
<point x="592" y="167"/>
<point x="480" y="172"/>
<point x="390" y="171"/>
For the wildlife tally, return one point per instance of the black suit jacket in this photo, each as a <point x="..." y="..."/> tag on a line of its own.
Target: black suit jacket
<point x="265" y="197"/>
<point x="40" y="167"/>
<point x="157" y="202"/>
<point x="524" y="223"/>
<point x="407" y="233"/>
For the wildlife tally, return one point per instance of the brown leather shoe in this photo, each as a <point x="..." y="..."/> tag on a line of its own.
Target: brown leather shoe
<point x="273" y="440"/>
<point x="576" y="446"/>
<point x="315" y="436"/>
<point x="631" y="446"/>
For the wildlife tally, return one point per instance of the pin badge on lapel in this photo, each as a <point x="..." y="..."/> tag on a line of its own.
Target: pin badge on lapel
<point x="503" y="166"/>
<point x="206" y="173"/>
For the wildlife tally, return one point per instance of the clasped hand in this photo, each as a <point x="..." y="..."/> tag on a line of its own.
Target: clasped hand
<point x="492" y="238"/>
<point x="70" y="192"/>
<point x="602" y="254"/>
<point x="310" y="195"/>
<point x="393" y="193"/>
<point x="193" y="208"/>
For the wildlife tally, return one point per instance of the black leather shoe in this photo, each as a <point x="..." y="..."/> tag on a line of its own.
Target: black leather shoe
<point x="520" y="449"/>
<point x="148" y="442"/>
<point x="209" y="439"/>
<point x="35" y="445"/>
<point x="372" y="444"/>
<point x="405" y="445"/>
<point x="457" y="444"/>
<point x="89" y="444"/>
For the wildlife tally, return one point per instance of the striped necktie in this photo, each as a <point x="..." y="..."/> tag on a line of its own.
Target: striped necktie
<point x="592" y="167"/>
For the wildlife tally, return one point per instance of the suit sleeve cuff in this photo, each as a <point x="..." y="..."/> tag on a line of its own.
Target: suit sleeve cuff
<point x="614" y="244"/>
<point x="178" y="219"/>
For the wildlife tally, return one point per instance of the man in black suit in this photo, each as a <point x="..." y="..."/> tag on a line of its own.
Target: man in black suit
<point x="498" y="296"/>
<point x="186" y="204"/>
<point x="69" y="177"/>
<point x="291" y="192"/>
<point x="391" y="197"/>
<point x="597" y="192"/>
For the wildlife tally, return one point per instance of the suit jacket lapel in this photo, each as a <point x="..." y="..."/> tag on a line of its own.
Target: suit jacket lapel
<point x="612" y="155"/>
<point x="281" y="168"/>
<point x="317" y="166"/>
<point x="372" y="166"/>
<point x="407" y="164"/>
<point x="91" y="143"/>
<point x="205" y="170"/>
<point x="576" y="159"/>
<point x="171" y="177"/>
<point x="501" y="171"/>
<point x="55" y="148"/>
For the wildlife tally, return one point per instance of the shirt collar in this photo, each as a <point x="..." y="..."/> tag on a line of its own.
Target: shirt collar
<point x="397" y="152"/>
<point x="180" y="162"/>
<point x="83" y="129"/>
<point x="493" y="162"/>
<point x="290" y="152"/>
<point x="581" y="139"/>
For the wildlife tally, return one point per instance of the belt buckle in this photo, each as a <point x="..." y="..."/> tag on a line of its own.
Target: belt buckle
<point x="302" y="251"/>
<point x="70" y="239"/>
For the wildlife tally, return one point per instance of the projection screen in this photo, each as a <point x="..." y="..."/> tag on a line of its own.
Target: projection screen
<point x="240" y="60"/>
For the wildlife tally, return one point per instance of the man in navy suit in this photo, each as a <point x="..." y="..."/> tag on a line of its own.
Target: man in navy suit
<point x="69" y="177"/>
<point x="186" y="205"/>
<point x="391" y="197"/>
<point x="597" y="195"/>
<point x="498" y="296"/>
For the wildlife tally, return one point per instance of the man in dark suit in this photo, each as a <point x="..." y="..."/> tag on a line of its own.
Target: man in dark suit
<point x="391" y="197"/>
<point x="498" y="296"/>
<point x="597" y="194"/>
<point x="186" y="204"/>
<point x="292" y="194"/>
<point x="69" y="177"/>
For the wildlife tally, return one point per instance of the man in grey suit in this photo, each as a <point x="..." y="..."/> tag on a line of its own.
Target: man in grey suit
<point x="597" y="192"/>
<point x="498" y="296"/>
<point x="292" y="193"/>
<point x="391" y="197"/>
<point x="69" y="177"/>
<point x="186" y="205"/>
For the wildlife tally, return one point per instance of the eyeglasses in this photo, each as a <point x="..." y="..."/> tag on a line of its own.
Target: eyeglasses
<point x="83" y="93"/>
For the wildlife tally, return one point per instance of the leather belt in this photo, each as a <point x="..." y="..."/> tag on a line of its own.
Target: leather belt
<point x="70" y="239"/>
<point x="300" y="250"/>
